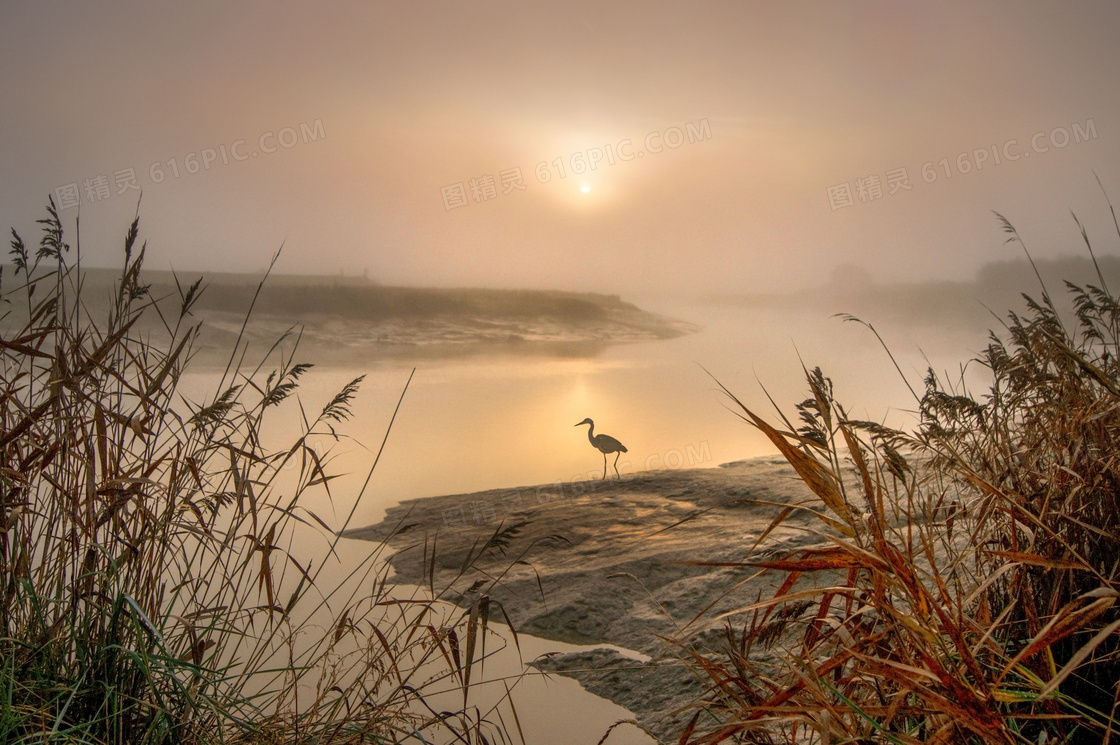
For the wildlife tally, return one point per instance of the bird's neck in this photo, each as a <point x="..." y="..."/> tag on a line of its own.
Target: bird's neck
<point x="591" y="434"/>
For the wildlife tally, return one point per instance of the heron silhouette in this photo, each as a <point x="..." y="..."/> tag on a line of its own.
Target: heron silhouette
<point x="604" y="444"/>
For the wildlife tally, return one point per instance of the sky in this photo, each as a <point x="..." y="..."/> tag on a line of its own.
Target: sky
<point x="736" y="146"/>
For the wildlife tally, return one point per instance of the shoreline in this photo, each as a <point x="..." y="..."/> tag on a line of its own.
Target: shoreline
<point x="617" y="563"/>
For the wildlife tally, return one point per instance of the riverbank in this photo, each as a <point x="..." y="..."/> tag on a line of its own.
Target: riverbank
<point x="354" y="321"/>
<point x="625" y="563"/>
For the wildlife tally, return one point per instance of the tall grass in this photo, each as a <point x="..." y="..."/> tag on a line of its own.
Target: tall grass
<point x="962" y="584"/>
<point x="150" y="589"/>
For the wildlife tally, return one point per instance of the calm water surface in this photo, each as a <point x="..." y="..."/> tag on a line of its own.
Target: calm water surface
<point x="507" y="422"/>
<point x="503" y="422"/>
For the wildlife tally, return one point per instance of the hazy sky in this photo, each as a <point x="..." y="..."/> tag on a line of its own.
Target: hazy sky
<point x="750" y="144"/>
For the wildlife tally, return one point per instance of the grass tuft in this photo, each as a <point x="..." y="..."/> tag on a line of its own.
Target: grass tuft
<point x="965" y="581"/>
<point x="150" y="591"/>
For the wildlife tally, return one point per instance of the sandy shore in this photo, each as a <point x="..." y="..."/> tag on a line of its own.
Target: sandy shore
<point x="611" y="563"/>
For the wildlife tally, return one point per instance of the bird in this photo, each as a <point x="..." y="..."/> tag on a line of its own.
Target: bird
<point x="604" y="444"/>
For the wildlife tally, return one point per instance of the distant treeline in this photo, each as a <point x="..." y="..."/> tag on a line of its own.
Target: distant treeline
<point x="1016" y="276"/>
<point x="302" y="297"/>
<point x="996" y="287"/>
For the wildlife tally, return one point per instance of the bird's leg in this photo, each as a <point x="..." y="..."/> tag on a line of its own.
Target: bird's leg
<point x="616" y="473"/>
<point x="604" y="466"/>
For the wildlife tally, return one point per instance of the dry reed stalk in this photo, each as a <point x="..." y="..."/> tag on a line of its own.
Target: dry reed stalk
<point x="968" y="572"/>
<point x="150" y="594"/>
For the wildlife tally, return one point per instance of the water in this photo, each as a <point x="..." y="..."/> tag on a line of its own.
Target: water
<point x="501" y="422"/>
<point x="508" y="421"/>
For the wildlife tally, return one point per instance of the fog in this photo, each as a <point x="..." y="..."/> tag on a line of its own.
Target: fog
<point x="496" y="379"/>
<point x="731" y="147"/>
<point x="512" y="216"/>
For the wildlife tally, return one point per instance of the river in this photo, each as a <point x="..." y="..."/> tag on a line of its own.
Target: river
<point x="507" y="421"/>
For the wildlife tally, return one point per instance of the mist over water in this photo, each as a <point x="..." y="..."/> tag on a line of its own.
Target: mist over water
<point x="505" y="421"/>
<point x="503" y="417"/>
<point x="695" y="196"/>
<point x="497" y="380"/>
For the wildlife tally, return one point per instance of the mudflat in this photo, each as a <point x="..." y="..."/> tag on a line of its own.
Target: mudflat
<point x="630" y="563"/>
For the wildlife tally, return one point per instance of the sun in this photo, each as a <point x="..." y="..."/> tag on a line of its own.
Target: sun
<point x="586" y="188"/>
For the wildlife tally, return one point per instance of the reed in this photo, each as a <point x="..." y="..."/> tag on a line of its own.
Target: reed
<point x="964" y="583"/>
<point x="151" y="593"/>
